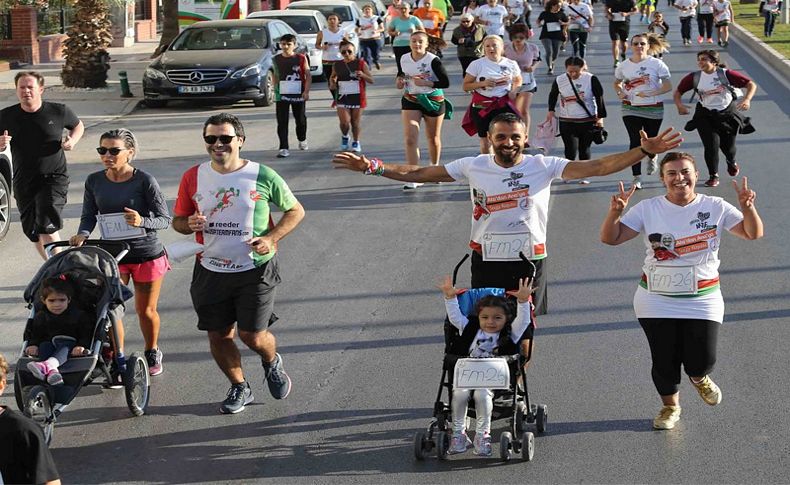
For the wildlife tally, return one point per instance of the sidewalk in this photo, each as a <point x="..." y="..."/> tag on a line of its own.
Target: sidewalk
<point x="94" y="106"/>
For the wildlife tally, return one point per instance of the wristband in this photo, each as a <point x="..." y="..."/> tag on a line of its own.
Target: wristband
<point x="376" y="167"/>
<point x="647" y="153"/>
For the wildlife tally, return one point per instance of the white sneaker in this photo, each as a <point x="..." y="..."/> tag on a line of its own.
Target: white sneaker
<point x="283" y="153"/>
<point x="652" y="165"/>
<point x="303" y="145"/>
<point x="638" y="182"/>
<point x="356" y="146"/>
<point x="411" y="185"/>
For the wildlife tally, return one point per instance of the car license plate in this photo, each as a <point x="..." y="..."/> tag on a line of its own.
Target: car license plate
<point x="196" y="89"/>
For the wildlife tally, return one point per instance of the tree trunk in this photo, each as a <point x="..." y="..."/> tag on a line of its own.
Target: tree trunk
<point x="87" y="61"/>
<point x="169" y="25"/>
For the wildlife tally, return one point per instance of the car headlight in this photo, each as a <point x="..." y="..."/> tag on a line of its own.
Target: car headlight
<point x="315" y="52"/>
<point x="253" y="70"/>
<point x="152" y="73"/>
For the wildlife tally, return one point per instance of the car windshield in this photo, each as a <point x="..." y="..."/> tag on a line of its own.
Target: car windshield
<point x="343" y="12"/>
<point x="301" y="24"/>
<point x="221" y="38"/>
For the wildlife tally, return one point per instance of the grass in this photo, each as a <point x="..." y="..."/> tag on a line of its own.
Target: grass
<point x="746" y="15"/>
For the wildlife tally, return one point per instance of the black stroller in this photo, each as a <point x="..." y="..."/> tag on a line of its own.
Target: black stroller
<point x="512" y="404"/>
<point x="101" y="294"/>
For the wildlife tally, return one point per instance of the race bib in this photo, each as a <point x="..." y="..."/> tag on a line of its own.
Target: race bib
<point x="618" y="17"/>
<point x="428" y="24"/>
<point x="489" y="373"/>
<point x="113" y="227"/>
<point x="672" y="280"/>
<point x="290" y="87"/>
<point x="528" y="81"/>
<point x="553" y="27"/>
<point x="506" y="246"/>
<point x="348" y="87"/>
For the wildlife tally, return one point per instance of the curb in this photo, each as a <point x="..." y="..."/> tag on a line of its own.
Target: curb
<point x="129" y="107"/>
<point x="766" y="53"/>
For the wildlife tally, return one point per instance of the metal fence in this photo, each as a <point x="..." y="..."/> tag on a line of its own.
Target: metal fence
<point x="56" y="18"/>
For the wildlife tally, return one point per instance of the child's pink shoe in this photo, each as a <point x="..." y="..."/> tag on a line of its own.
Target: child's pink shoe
<point x="40" y="370"/>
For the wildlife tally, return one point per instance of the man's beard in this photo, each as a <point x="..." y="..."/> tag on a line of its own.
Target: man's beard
<point x="508" y="156"/>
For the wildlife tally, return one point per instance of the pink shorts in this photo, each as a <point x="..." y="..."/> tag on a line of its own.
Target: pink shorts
<point x="148" y="271"/>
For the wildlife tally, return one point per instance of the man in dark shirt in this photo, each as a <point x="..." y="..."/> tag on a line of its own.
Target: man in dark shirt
<point x="24" y="456"/>
<point x="619" y="14"/>
<point x="41" y="180"/>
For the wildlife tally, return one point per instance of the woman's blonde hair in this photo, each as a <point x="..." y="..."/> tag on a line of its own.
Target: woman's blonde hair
<point x="655" y="43"/>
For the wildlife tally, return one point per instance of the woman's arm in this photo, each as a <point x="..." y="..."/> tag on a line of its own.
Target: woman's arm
<point x="157" y="205"/>
<point x="442" y="80"/>
<point x="597" y="90"/>
<point x="554" y="94"/>
<point x="319" y="40"/>
<point x="614" y="232"/>
<point x="751" y="227"/>
<point x="89" y="210"/>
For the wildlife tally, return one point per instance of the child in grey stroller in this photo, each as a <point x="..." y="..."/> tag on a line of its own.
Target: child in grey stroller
<point x="76" y="303"/>
<point x="484" y="330"/>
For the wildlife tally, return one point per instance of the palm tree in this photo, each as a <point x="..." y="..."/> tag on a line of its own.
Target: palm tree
<point x="85" y="48"/>
<point x="169" y="25"/>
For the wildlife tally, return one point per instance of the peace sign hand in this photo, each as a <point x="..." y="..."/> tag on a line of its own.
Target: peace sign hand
<point x="746" y="196"/>
<point x="620" y="201"/>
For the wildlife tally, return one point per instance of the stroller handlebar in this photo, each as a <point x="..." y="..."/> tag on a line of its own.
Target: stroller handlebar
<point x="118" y="249"/>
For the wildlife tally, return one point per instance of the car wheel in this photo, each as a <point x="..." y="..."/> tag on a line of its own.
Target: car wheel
<point x="267" y="88"/>
<point x="155" y="103"/>
<point x="5" y="207"/>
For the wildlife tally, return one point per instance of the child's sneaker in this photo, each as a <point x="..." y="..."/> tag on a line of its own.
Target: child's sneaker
<point x="667" y="417"/>
<point x="344" y="142"/>
<point x="40" y="370"/>
<point x="459" y="443"/>
<point x="55" y="378"/>
<point x="708" y="390"/>
<point x="483" y="445"/>
<point x="356" y="146"/>
<point x="303" y="145"/>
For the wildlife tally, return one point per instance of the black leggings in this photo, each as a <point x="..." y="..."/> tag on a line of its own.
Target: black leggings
<point x="577" y="137"/>
<point x="685" y="28"/>
<point x="705" y="25"/>
<point x="579" y="42"/>
<point x="632" y="125"/>
<point x="676" y="341"/>
<point x="399" y="52"/>
<point x="714" y="137"/>
<point x="300" y="117"/>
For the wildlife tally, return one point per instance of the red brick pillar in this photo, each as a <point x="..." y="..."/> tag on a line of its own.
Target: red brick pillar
<point x="24" y="33"/>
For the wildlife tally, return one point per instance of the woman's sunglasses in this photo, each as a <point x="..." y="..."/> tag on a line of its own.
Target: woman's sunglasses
<point x="346" y="51"/>
<point x="212" y="139"/>
<point x="639" y="43"/>
<point x="112" y="151"/>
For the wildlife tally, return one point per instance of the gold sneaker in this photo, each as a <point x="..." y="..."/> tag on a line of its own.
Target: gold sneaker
<point x="708" y="390"/>
<point x="667" y="417"/>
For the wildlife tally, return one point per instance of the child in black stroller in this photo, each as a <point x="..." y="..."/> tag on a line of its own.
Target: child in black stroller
<point x="77" y="302"/>
<point x="483" y="335"/>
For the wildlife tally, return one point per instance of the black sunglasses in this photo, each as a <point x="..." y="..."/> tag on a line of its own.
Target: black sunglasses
<point x="212" y="139"/>
<point x="347" y="51"/>
<point x="639" y="43"/>
<point x="113" y="151"/>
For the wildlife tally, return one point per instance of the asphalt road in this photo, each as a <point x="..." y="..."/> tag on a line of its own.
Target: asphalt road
<point x="360" y="327"/>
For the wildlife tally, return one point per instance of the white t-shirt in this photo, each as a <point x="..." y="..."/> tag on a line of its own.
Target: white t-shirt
<point x="332" y="53"/>
<point x="577" y="20"/>
<point x="721" y="11"/>
<point x="509" y="201"/>
<point x="772" y="6"/>
<point x="684" y="241"/>
<point x="515" y="7"/>
<point x="485" y="68"/>
<point x="495" y="16"/>
<point x="689" y="7"/>
<point x="640" y="77"/>
<point x="705" y="6"/>
<point x="568" y="107"/>
<point x="713" y="95"/>
<point x="368" y="27"/>
<point x="421" y="69"/>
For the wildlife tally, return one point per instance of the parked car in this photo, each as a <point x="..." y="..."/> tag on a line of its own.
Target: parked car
<point x="347" y="10"/>
<point x="6" y="175"/>
<point x="218" y="60"/>
<point x="307" y="24"/>
<point x="379" y="7"/>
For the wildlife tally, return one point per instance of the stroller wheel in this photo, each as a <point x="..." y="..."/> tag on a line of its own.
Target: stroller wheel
<point x="527" y="446"/>
<point x="442" y="445"/>
<point x="519" y="420"/>
<point x="419" y="445"/>
<point x="505" y="446"/>
<point x="541" y="418"/>
<point x="137" y="384"/>
<point x="38" y="407"/>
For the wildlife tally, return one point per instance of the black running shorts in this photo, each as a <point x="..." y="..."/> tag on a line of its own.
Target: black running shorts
<point x="246" y="298"/>
<point x="482" y="122"/>
<point x="618" y="31"/>
<point x="407" y="105"/>
<point x="505" y="274"/>
<point x="40" y="201"/>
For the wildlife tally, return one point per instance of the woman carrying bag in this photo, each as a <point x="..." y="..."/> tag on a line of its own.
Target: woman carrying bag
<point x="581" y="109"/>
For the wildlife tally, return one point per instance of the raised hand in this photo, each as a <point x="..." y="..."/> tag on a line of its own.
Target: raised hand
<point x="620" y="201"/>
<point x="5" y="139"/>
<point x="665" y="141"/>
<point x="746" y="196"/>
<point x="351" y="161"/>
<point x="524" y="290"/>
<point x="446" y="285"/>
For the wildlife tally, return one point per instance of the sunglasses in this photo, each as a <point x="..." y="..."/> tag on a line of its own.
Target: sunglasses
<point x="112" y="151"/>
<point x="639" y="43"/>
<point x="346" y="51"/>
<point x="518" y="37"/>
<point x="212" y="139"/>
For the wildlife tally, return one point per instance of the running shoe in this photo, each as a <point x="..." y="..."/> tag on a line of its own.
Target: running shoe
<point x="713" y="181"/>
<point x="344" y="142"/>
<point x="303" y="145"/>
<point x="616" y="63"/>
<point x="700" y="39"/>
<point x="55" y="378"/>
<point x="459" y="443"/>
<point x="278" y="381"/>
<point x="710" y="40"/>
<point x="733" y="169"/>
<point x="637" y="182"/>
<point x="708" y="390"/>
<point x="239" y="395"/>
<point x="378" y="66"/>
<point x="483" y="445"/>
<point x="622" y="56"/>
<point x="667" y="417"/>
<point x="411" y="185"/>
<point x="154" y="358"/>
<point x="551" y="70"/>
<point x="356" y="146"/>
<point x="283" y="153"/>
<point x="652" y="165"/>
<point x="40" y="370"/>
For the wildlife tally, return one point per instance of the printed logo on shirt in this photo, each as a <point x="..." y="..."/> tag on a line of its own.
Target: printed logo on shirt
<point x="223" y="197"/>
<point x="641" y="79"/>
<point x="699" y="222"/>
<point x="666" y="247"/>
<point x="513" y="181"/>
<point x="255" y="196"/>
<point x="486" y="205"/>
